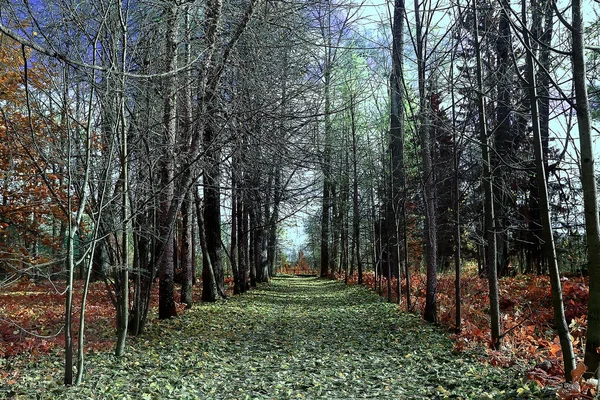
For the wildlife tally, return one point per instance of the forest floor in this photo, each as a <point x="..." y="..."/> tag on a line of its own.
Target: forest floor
<point x="293" y="338"/>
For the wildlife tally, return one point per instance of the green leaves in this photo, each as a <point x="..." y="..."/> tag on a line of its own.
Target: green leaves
<point x="293" y="339"/>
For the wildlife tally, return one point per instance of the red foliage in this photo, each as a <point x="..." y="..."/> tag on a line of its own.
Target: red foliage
<point x="32" y="316"/>
<point x="301" y="267"/>
<point x="527" y="317"/>
<point x="30" y="203"/>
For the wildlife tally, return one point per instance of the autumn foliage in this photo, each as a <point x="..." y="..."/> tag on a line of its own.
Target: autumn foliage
<point x="300" y="267"/>
<point x="527" y="318"/>
<point x="31" y="185"/>
<point x="32" y="316"/>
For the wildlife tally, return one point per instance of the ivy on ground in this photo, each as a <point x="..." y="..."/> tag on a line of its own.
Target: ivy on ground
<point x="294" y="338"/>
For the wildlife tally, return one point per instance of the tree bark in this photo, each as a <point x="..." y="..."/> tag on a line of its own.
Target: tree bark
<point x="590" y="193"/>
<point x="210" y="292"/>
<point x="429" y="191"/>
<point x="488" y="187"/>
<point x="504" y="138"/>
<point x="326" y="162"/>
<point x="234" y="233"/>
<point x="212" y="209"/>
<point x="187" y="254"/>
<point x="557" y="300"/>
<point x="397" y="181"/>
<point x="166" y="301"/>
<point x="355" y="198"/>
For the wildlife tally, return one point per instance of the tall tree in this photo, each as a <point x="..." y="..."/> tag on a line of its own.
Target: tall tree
<point x="549" y="247"/>
<point x="397" y="198"/>
<point x="429" y="190"/>
<point x="166" y="305"/>
<point x="488" y="187"/>
<point x="590" y="193"/>
<point x="326" y="162"/>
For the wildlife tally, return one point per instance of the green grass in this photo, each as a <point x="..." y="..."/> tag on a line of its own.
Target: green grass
<point x="295" y="338"/>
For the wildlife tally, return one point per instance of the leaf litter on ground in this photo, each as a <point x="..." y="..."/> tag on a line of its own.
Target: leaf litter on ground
<point x="295" y="338"/>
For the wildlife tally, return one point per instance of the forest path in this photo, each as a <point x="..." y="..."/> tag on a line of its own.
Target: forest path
<point x="293" y="338"/>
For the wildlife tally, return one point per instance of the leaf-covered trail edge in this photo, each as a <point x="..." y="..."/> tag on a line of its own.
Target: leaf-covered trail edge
<point x="293" y="338"/>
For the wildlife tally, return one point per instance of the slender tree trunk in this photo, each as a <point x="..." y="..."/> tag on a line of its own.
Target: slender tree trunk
<point x="355" y="198"/>
<point x="68" y="326"/>
<point x="544" y="79"/>
<point x="337" y="234"/>
<point x="166" y="302"/>
<point x="262" y="271"/>
<point x="429" y="190"/>
<point x="397" y="180"/>
<point x="90" y="262"/>
<point x="456" y="206"/>
<point x="489" y="227"/>
<point x="272" y="245"/>
<point x="550" y="250"/>
<point x="210" y="293"/>
<point x="504" y="138"/>
<point x="123" y="279"/>
<point x="72" y="231"/>
<point x="212" y="209"/>
<point x="234" y="232"/>
<point x="374" y="239"/>
<point x="326" y="205"/>
<point x="143" y="277"/>
<point x="244" y="247"/>
<point x="252" y="253"/>
<point x="590" y="193"/>
<point x="187" y="255"/>
<point x="343" y="197"/>
<point x="187" y="207"/>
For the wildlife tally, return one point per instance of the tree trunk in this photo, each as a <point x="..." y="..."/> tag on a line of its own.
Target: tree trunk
<point x="326" y="162"/>
<point x="396" y="144"/>
<point x="122" y="281"/>
<point x="243" y="250"/>
<point x="456" y="202"/>
<point x="234" y="232"/>
<point x="550" y="250"/>
<point x="504" y="138"/>
<point x="342" y="201"/>
<point x="210" y="292"/>
<point x="429" y="191"/>
<point x="355" y="199"/>
<point x="166" y="301"/>
<point x="590" y="193"/>
<point x="272" y="240"/>
<point x="336" y="256"/>
<point x="212" y="210"/>
<point x="252" y="247"/>
<point x="144" y="276"/>
<point x="187" y="255"/>
<point x="188" y="258"/>
<point x="68" y="325"/>
<point x="488" y="187"/>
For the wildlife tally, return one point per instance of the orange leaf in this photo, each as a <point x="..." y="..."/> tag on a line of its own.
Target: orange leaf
<point x="578" y="372"/>
<point x="554" y="348"/>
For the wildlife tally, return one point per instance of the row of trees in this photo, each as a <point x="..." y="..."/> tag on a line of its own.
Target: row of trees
<point x="136" y="134"/>
<point x="476" y="159"/>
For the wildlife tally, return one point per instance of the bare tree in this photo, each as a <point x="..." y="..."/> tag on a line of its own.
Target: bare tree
<point x="490" y="229"/>
<point x="590" y="192"/>
<point x="549" y="247"/>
